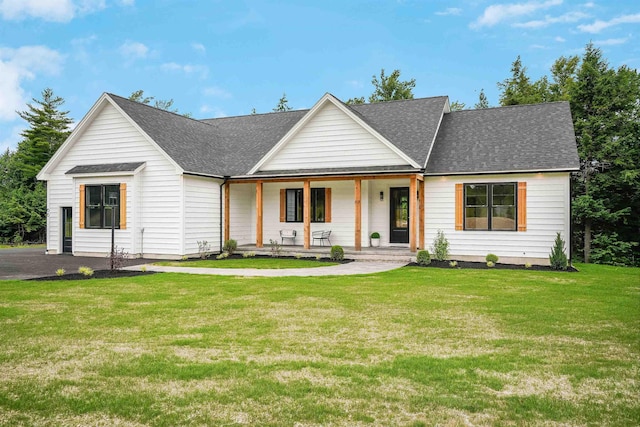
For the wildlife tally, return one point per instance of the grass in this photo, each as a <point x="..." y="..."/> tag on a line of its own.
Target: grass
<point x="38" y="245"/>
<point x="252" y="262"/>
<point x="408" y="347"/>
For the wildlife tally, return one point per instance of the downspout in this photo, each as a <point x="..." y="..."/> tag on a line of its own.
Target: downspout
<point x="570" y="221"/>
<point x="226" y="178"/>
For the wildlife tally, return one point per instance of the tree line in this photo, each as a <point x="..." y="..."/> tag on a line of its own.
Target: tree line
<point x="605" y="104"/>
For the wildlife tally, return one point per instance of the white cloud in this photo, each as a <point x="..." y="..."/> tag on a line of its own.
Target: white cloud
<point x="497" y="13"/>
<point x="217" y="92"/>
<point x="48" y="10"/>
<point x="611" y="42"/>
<point x="450" y="11"/>
<point x="538" y="46"/>
<point x="133" y="50"/>
<point x="17" y="65"/>
<point x="560" y="39"/>
<point x="214" y="112"/>
<point x="599" y="25"/>
<point x="198" y="47"/>
<point x="186" y="68"/>
<point x="548" y="20"/>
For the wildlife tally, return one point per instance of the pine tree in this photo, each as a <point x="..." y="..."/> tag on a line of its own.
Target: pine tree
<point x="283" y="104"/>
<point x="390" y="88"/>
<point x="483" y="102"/>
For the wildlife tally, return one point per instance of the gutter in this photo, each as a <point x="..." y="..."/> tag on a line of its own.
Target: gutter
<point x="224" y="181"/>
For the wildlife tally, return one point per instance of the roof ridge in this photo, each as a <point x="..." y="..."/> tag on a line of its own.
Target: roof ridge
<point x="399" y="100"/>
<point x="256" y="114"/>
<point x="158" y="109"/>
<point x="509" y="106"/>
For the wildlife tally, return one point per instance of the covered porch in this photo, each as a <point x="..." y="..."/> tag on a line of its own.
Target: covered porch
<point x="350" y="206"/>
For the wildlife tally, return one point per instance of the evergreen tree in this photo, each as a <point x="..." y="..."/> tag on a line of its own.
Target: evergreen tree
<point x="283" y="104"/>
<point x="483" y="102"/>
<point x="390" y="88"/>
<point x="48" y="129"/>
<point x="457" y="106"/>
<point x="162" y="104"/>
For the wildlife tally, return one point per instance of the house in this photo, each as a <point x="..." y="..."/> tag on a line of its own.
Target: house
<point x="493" y="180"/>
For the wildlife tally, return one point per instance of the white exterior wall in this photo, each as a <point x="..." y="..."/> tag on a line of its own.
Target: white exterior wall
<point x="201" y="213"/>
<point x="242" y="213"/>
<point x="154" y="195"/>
<point x="331" y="139"/>
<point x="548" y="212"/>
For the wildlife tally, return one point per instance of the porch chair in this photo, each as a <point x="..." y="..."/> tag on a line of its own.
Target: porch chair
<point x="288" y="234"/>
<point x="321" y="235"/>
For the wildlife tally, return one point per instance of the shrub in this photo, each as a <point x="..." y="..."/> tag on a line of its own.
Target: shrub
<point x="527" y="265"/>
<point x="453" y="264"/>
<point x="557" y="258"/>
<point x="85" y="271"/>
<point x="223" y="255"/>
<point x="249" y="254"/>
<point x="608" y="249"/>
<point x="492" y="258"/>
<point x="423" y="257"/>
<point x="276" y="249"/>
<point x="318" y="257"/>
<point x="491" y="264"/>
<point x="184" y="258"/>
<point x="375" y="235"/>
<point x="230" y="246"/>
<point x="298" y="256"/>
<point x="440" y="246"/>
<point x="117" y="258"/>
<point x="204" y="249"/>
<point x="143" y="268"/>
<point x="60" y="272"/>
<point x="337" y="253"/>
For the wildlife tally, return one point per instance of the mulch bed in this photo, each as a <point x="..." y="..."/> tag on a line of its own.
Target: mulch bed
<point x="97" y="274"/>
<point x="483" y="266"/>
<point x="309" y="258"/>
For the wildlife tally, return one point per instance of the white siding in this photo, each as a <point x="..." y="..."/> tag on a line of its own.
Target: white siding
<point x="547" y="214"/>
<point x="201" y="213"/>
<point x="153" y="196"/>
<point x="331" y="139"/>
<point x="242" y="210"/>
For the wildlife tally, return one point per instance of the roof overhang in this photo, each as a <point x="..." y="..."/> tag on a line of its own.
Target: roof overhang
<point x="106" y="169"/>
<point x="501" y="172"/>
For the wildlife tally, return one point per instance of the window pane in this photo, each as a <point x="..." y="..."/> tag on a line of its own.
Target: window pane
<point x="111" y="195"/>
<point x="504" y="195"/>
<point x="503" y="218"/>
<point x="294" y="205"/>
<point x="93" y="217"/>
<point x="317" y="204"/>
<point x="476" y="218"/>
<point x="94" y="195"/>
<point x="476" y="195"/>
<point x="108" y="212"/>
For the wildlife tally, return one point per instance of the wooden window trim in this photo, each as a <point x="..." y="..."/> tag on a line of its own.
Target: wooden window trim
<point x="519" y="205"/>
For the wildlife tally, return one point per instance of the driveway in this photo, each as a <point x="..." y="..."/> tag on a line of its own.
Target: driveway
<point x="27" y="263"/>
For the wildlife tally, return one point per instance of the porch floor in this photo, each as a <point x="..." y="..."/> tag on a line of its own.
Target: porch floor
<point x="387" y="253"/>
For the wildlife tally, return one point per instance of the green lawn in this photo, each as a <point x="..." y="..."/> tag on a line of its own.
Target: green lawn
<point x="251" y="262"/>
<point x="39" y="245"/>
<point x="407" y="347"/>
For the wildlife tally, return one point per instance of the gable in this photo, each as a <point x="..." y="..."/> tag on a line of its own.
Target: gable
<point x="332" y="139"/>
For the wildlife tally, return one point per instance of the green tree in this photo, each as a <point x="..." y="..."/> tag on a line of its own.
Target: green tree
<point x="518" y="88"/>
<point x="605" y="104"/>
<point x="162" y="104"/>
<point x="48" y="129"/>
<point x="457" y="106"/>
<point x="391" y="88"/>
<point x="483" y="102"/>
<point x="283" y="104"/>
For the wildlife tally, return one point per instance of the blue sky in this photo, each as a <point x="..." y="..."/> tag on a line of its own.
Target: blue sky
<point x="223" y="58"/>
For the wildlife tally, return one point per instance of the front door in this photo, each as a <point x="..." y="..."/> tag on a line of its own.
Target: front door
<point x="399" y="232"/>
<point x="67" y="230"/>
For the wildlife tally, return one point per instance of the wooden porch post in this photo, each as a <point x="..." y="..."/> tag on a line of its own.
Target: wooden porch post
<point x="421" y="244"/>
<point x="413" y="213"/>
<point x="358" y="202"/>
<point x="306" y="203"/>
<point x="227" y="215"/>
<point x="259" y="209"/>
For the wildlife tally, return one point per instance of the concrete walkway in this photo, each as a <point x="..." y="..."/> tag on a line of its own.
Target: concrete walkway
<point x="334" y="270"/>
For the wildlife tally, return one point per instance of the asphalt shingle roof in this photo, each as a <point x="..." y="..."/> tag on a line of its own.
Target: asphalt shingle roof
<point x="105" y="167"/>
<point x="533" y="137"/>
<point x="516" y="138"/>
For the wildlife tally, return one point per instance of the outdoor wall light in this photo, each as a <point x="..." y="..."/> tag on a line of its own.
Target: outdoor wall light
<point x="381" y="195"/>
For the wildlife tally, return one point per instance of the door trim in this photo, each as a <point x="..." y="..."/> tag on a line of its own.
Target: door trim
<point x="393" y="236"/>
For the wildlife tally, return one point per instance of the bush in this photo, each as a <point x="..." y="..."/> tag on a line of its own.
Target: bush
<point x="453" y="264"/>
<point x="440" y="246"/>
<point x="491" y="258"/>
<point x="60" y="272"/>
<point x="249" y="254"/>
<point x="608" y="249"/>
<point x="491" y="264"/>
<point x="527" y="265"/>
<point x="117" y="258"/>
<point x="276" y="248"/>
<point x="230" y="246"/>
<point x="337" y="253"/>
<point x="375" y="235"/>
<point x="423" y="258"/>
<point x="86" y="271"/>
<point x="223" y="255"/>
<point x="204" y="249"/>
<point x="557" y="258"/>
